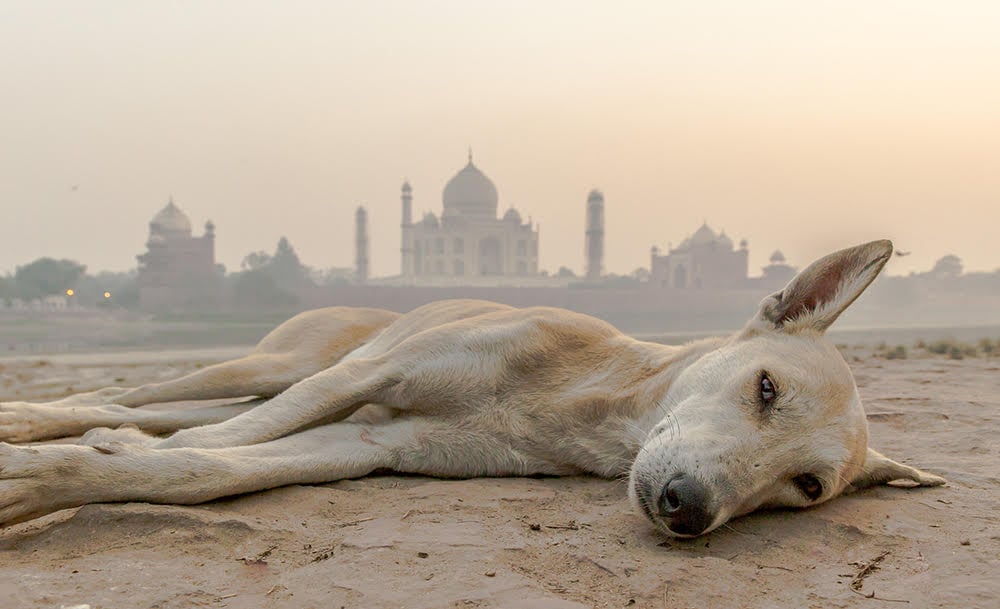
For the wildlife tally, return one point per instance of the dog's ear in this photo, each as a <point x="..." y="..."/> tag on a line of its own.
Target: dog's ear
<point x="820" y="293"/>
<point x="879" y="469"/>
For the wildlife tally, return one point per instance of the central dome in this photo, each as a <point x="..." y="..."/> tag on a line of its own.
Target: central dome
<point x="171" y="221"/>
<point x="703" y="235"/>
<point x="470" y="193"/>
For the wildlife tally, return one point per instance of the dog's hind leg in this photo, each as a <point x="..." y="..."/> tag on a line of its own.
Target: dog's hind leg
<point x="255" y="375"/>
<point x="329" y="396"/>
<point x="306" y="344"/>
<point x="258" y="374"/>
<point x="297" y="349"/>
<point x="41" y="479"/>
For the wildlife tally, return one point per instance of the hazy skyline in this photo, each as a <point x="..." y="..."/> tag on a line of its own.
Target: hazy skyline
<point x="799" y="126"/>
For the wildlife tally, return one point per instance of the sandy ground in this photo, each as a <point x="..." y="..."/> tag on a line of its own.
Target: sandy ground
<point x="391" y="541"/>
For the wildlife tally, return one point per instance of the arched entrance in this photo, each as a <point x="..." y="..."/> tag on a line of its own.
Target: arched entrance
<point x="490" y="257"/>
<point x="680" y="276"/>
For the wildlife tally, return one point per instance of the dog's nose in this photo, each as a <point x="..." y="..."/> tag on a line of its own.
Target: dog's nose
<point x="684" y="505"/>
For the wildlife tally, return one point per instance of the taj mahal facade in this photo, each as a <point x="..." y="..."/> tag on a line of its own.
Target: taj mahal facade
<point x="467" y="242"/>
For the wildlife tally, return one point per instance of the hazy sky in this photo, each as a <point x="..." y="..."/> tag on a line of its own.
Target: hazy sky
<point x="804" y="126"/>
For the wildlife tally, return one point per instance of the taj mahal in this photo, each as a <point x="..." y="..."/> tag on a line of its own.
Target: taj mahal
<point x="466" y="244"/>
<point x="467" y="240"/>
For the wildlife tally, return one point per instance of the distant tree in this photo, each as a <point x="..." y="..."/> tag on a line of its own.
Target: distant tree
<point x="255" y="260"/>
<point x="122" y="290"/>
<point x="47" y="276"/>
<point x="285" y="266"/>
<point x="947" y="266"/>
<point x="8" y="289"/>
<point x="565" y="273"/>
<point x="641" y="274"/>
<point x="271" y="280"/>
<point x="333" y="276"/>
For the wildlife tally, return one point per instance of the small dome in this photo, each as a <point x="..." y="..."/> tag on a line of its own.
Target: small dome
<point x="210" y="227"/>
<point x="777" y="257"/>
<point x="171" y="220"/>
<point x="471" y="193"/>
<point x="744" y="244"/>
<point x="595" y="195"/>
<point x="406" y="186"/>
<point x="512" y="216"/>
<point x="430" y="220"/>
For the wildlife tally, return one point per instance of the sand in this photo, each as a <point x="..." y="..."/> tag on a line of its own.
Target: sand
<point x="408" y="541"/>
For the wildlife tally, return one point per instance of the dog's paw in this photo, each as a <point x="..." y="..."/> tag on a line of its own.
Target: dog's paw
<point x="32" y="481"/>
<point x="126" y="434"/>
<point x="929" y="479"/>
<point x="26" y="422"/>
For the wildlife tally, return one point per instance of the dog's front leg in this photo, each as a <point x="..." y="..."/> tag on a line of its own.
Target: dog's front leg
<point x="328" y="396"/>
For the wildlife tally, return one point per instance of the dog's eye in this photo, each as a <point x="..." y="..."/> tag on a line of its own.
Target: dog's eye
<point x="767" y="390"/>
<point x="810" y="486"/>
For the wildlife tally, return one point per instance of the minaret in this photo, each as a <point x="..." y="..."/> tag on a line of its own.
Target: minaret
<point x="361" y="245"/>
<point x="594" y="247"/>
<point x="406" y="244"/>
<point x="209" y="240"/>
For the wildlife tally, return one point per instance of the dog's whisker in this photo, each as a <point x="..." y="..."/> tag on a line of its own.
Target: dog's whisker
<point x="729" y="527"/>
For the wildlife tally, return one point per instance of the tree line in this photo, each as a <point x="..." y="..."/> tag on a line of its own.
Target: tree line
<point x="274" y="280"/>
<point x="269" y="280"/>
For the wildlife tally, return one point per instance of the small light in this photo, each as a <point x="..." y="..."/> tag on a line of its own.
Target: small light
<point x="70" y="292"/>
<point x="107" y="294"/>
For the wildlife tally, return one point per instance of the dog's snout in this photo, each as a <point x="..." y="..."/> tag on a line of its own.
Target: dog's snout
<point x="684" y="505"/>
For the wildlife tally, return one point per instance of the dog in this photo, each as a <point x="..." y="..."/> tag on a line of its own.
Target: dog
<point x="705" y="432"/>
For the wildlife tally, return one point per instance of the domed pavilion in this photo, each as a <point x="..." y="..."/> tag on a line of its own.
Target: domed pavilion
<point x="468" y="239"/>
<point x="178" y="269"/>
<point x="706" y="259"/>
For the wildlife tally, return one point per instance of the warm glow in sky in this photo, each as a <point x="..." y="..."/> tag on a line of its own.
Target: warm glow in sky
<point x="804" y="126"/>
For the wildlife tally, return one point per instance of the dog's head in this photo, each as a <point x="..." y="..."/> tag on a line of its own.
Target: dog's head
<point x="770" y="418"/>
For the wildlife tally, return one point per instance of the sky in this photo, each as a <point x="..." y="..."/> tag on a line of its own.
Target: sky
<point x="799" y="126"/>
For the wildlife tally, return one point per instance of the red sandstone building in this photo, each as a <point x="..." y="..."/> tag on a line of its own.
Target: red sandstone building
<point x="178" y="269"/>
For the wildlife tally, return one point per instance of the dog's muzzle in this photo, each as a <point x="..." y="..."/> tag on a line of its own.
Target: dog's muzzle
<point x="683" y="504"/>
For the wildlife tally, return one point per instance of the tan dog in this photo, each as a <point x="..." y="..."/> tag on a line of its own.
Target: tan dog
<point x="706" y="431"/>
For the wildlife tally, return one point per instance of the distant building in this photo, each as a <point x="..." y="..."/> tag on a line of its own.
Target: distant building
<point x="703" y="260"/>
<point x="467" y="240"/>
<point x="178" y="269"/>
<point x="777" y="274"/>
<point x="47" y="304"/>
<point x="594" y="246"/>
